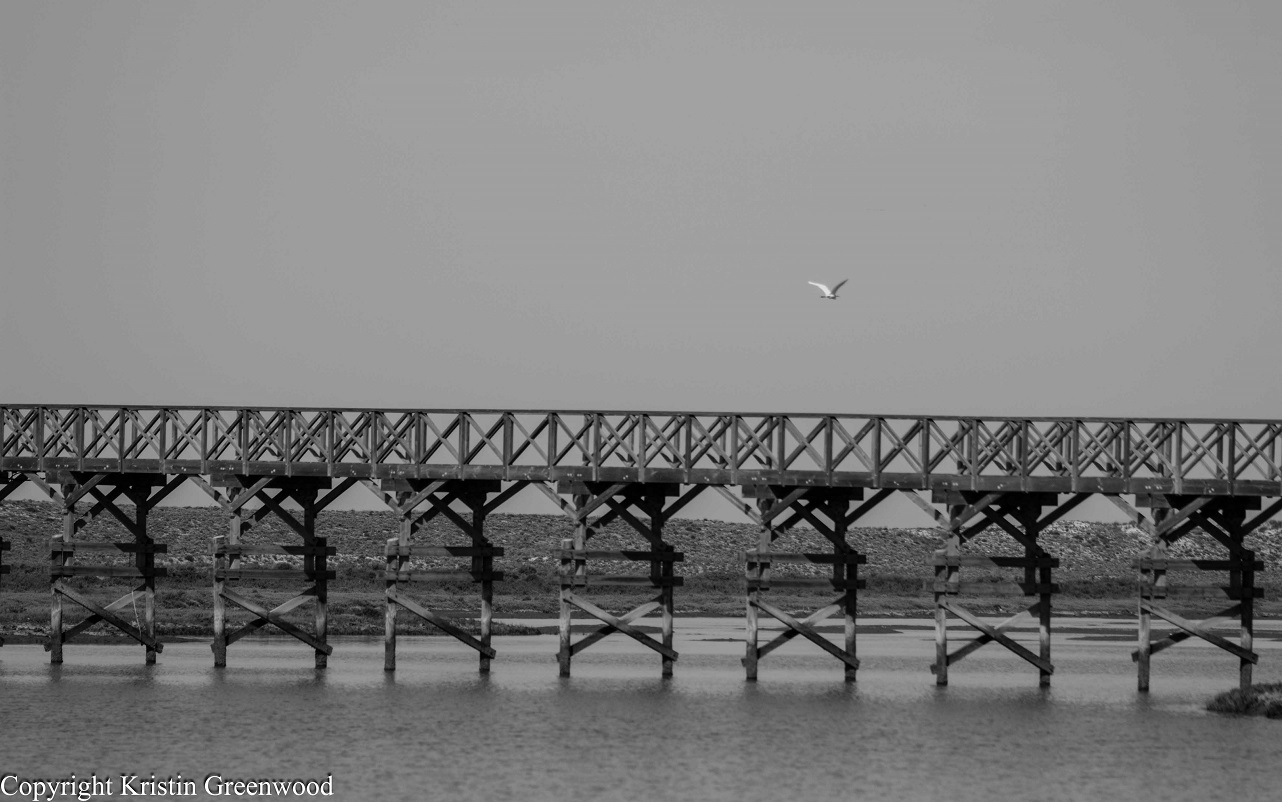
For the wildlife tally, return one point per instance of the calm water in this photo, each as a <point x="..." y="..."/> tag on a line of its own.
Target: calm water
<point x="616" y="731"/>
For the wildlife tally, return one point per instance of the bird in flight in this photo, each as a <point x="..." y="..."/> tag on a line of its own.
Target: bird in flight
<point x="827" y="293"/>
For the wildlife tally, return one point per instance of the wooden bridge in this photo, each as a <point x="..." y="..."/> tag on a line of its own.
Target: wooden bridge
<point x="968" y="474"/>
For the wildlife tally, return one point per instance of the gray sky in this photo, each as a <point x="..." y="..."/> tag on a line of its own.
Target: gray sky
<point x="1043" y="208"/>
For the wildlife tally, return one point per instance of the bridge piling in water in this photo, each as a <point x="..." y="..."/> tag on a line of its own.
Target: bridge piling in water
<point x="1018" y="514"/>
<point x="65" y="564"/>
<point x="1224" y="518"/>
<point x="779" y="508"/>
<point x="405" y="497"/>
<point x="645" y="508"/>
<point x="234" y="492"/>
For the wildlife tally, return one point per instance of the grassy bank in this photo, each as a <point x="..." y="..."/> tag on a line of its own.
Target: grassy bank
<point x="1257" y="700"/>
<point x="1095" y="575"/>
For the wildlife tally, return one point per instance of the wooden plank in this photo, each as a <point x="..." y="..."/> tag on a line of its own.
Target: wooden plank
<point x="1153" y="590"/>
<point x="996" y="561"/>
<point x="990" y="588"/>
<point x="109" y="617"/>
<point x="962" y="498"/>
<point x="651" y="556"/>
<point x="807" y="632"/>
<point x="753" y="557"/>
<point x="442" y="575"/>
<point x="985" y="639"/>
<point x="276" y="621"/>
<point x="270" y="573"/>
<point x="441" y="623"/>
<point x="580" y="488"/>
<point x="234" y="549"/>
<point x="814" y="618"/>
<point x="1164" y="564"/>
<point x="119" y="604"/>
<point x="397" y="549"/>
<point x="619" y="624"/>
<point x="1198" y="629"/>
<point x="1165" y="643"/>
<point x="805" y="582"/>
<point x="627" y="618"/>
<point x="999" y="637"/>
<point x="478" y="486"/>
<point x="123" y="571"/>
<point x="282" y="609"/>
<point x="81" y="545"/>
<point x="814" y="492"/>
<point x="275" y="478"/>
<point x="141" y="478"/>
<point x="607" y="580"/>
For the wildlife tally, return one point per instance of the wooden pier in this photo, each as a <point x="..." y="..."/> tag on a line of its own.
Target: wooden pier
<point x="1012" y="476"/>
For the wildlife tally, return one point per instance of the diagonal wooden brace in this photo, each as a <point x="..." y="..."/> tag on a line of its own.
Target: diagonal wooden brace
<point x="807" y="631"/>
<point x="271" y="617"/>
<point x="118" y="604"/>
<point x="103" y="614"/>
<point x="619" y="624"/>
<point x="259" y="623"/>
<point x="1181" y="636"/>
<point x="442" y="623"/>
<point x="1198" y="629"/>
<point x="986" y="639"/>
<point x="627" y="618"/>
<point x="994" y="634"/>
<point x="808" y="622"/>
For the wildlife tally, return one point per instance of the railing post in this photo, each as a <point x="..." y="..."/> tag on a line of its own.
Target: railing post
<point x="876" y="451"/>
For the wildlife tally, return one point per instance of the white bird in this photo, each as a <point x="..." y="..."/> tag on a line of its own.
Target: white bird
<point x="827" y="293"/>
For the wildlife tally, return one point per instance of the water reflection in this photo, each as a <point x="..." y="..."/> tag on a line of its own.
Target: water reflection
<point x="438" y="729"/>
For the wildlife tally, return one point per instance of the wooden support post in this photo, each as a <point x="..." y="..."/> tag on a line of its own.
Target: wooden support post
<point x="65" y="564"/>
<point x="219" y="645"/>
<point x="1223" y="518"/>
<point x="145" y="561"/>
<point x="644" y="509"/>
<point x="1152" y="585"/>
<point x="1038" y="577"/>
<point x="397" y="559"/>
<point x="58" y="582"/>
<point x="229" y="551"/>
<point x="845" y="572"/>
<point x="404" y="496"/>
<point x="761" y="573"/>
<point x="828" y="511"/>
<point x="1019" y="515"/>
<point x="1241" y="584"/>
<point x="394" y="564"/>
<point x="1247" y="641"/>
<point x="225" y="563"/>
<point x="573" y="572"/>
<point x="316" y="565"/>
<point x="567" y="574"/>
<point x="483" y="566"/>
<point x="4" y="569"/>
<point x="947" y="576"/>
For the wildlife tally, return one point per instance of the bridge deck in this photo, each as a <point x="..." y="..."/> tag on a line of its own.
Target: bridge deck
<point x="1063" y="455"/>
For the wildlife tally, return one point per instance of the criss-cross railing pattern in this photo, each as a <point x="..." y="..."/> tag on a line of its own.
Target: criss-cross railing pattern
<point x="1066" y="454"/>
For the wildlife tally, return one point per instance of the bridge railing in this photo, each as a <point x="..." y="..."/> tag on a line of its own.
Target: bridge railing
<point x="1102" y="455"/>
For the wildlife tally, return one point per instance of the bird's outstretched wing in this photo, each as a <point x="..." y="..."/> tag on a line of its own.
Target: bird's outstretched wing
<point x="840" y="284"/>
<point x="821" y="287"/>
